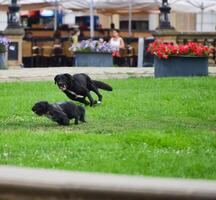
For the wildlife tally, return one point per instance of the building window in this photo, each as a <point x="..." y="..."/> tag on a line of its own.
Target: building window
<point x="135" y="25"/>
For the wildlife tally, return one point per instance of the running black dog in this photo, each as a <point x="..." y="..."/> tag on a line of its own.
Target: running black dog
<point x="78" y="87"/>
<point x="60" y="112"/>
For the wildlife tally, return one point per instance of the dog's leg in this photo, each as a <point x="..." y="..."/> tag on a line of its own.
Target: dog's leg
<point x="63" y="121"/>
<point x="76" y="120"/>
<point x="94" y="89"/>
<point x="75" y="98"/>
<point x="60" y="117"/>
<point x="82" y="117"/>
<point x="70" y="96"/>
<point x="82" y="100"/>
<point x="90" y="99"/>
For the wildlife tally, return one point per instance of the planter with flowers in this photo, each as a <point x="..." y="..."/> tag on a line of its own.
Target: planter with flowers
<point x="170" y="60"/>
<point x="3" y="48"/>
<point x="93" y="53"/>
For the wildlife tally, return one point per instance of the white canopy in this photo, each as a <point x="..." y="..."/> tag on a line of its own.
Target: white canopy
<point x="116" y="6"/>
<point x="194" y="5"/>
<point x="113" y="5"/>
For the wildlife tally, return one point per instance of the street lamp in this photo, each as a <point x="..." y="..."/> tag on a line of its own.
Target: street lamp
<point x="14" y="32"/>
<point x="164" y="16"/>
<point x="13" y="15"/>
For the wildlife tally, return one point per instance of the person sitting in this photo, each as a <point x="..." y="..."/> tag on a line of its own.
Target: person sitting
<point x="28" y="36"/>
<point x="57" y="34"/>
<point x="57" y="52"/>
<point x="101" y="33"/>
<point x="116" y="43"/>
<point x="36" y="54"/>
<point x="57" y="45"/>
<point x="83" y="26"/>
<point x="112" y="25"/>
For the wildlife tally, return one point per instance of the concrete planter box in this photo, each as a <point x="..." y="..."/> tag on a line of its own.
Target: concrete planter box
<point x="93" y="59"/>
<point x="181" y="66"/>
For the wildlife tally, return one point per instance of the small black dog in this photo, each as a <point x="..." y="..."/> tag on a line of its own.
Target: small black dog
<point x="60" y="112"/>
<point x="78" y="87"/>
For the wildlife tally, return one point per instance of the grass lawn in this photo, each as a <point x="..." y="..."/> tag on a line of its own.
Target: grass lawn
<point x="146" y="126"/>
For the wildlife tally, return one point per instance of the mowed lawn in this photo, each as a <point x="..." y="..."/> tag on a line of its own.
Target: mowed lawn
<point x="146" y="126"/>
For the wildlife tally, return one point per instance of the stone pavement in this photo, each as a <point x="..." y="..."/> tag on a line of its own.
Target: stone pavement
<point x="37" y="74"/>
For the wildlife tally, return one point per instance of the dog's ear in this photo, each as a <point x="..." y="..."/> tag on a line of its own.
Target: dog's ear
<point x="45" y="104"/>
<point x="69" y="79"/>
<point x="55" y="79"/>
<point x="68" y="76"/>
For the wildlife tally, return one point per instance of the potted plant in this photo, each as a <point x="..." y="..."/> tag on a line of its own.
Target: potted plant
<point x="94" y="53"/>
<point x="3" y="48"/>
<point x="190" y="59"/>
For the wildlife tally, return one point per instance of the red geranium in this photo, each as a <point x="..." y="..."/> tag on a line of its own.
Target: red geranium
<point x="164" y="50"/>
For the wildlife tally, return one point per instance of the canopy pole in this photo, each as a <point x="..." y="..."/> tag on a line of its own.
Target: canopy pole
<point x="202" y="16"/>
<point x="129" y="19"/>
<point x="55" y="17"/>
<point x="141" y="43"/>
<point x="91" y="18"/>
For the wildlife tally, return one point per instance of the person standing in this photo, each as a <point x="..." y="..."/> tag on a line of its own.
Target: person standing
<point x="74" y="37"/>
<point x="116" y="43"/>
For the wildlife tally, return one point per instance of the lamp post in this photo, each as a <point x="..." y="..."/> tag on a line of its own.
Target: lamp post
<point x="164" y="16"/>
<point x="165" y="30"/>
<point x="14" y="32"/>
<point x="13" y="15"/>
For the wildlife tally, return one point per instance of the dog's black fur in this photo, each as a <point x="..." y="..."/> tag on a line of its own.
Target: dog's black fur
<point x="60" y="112"/>
<point x="78" y="87"/>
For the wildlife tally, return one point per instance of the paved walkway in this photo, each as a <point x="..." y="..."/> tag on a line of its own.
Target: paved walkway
<point x="25" y="183"/>
<point x="36" y="74"/>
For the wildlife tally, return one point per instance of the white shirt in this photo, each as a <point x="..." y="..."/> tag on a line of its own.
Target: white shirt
<point x="115" y="43"/>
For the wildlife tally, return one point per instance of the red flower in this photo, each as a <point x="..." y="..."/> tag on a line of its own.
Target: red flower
<point x="164" y="50"/>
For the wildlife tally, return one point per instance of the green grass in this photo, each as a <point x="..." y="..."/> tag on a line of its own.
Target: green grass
<point x="153" y="127"/>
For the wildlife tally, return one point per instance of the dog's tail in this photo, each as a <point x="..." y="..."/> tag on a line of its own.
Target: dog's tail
<point x="102" y="85"/>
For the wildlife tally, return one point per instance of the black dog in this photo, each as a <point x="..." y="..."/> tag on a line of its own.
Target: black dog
<point x="60" y="112"/>
<point x="78" y="87"/>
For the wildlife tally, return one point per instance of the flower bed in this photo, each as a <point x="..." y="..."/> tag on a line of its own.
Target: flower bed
<point x="190" y="59"/>
<point x="92" y="46"/>
<point x="96" y="53"/>
<point x="165" y="50"/>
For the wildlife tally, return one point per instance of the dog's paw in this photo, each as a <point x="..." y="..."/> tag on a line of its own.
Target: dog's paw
<point x="99" y="102"/>
<point x="94" y="103"/>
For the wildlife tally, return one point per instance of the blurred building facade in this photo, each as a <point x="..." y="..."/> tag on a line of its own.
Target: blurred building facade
<point x="145" y="21"/>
